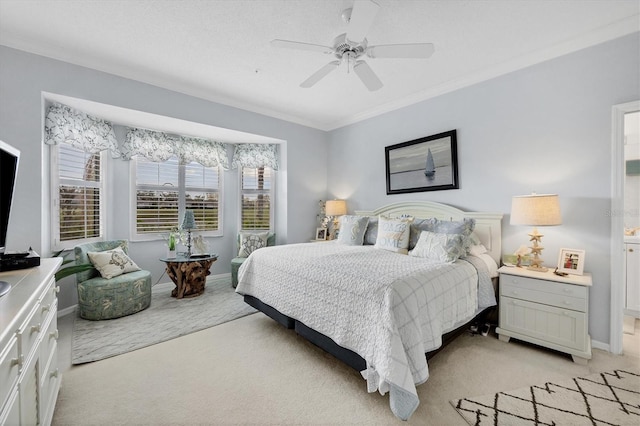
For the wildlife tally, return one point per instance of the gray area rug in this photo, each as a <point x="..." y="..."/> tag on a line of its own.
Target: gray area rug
<point x="610" y="398"/>
<point x="166" y="318"/>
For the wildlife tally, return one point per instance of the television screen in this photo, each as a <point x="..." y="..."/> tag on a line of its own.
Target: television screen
<point x="9" y="157"/>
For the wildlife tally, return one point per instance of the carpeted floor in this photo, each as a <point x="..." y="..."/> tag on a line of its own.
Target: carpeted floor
<point x="254" y="371"/>
<point x="609" y="398"/>
<point x="166" y="319"/>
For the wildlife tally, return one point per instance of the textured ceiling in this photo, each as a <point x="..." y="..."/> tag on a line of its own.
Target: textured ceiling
<point x="219" y="50"/>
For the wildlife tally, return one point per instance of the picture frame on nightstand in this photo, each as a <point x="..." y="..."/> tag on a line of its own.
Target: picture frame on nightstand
<point x="571" y="261"/>
<point x="321" y="234"/>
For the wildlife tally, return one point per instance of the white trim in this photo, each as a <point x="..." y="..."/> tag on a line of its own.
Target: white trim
<point x="617" y="223"/>
<point x="67" y="311"/>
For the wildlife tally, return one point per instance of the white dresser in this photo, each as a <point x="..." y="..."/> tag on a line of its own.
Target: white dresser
<point x="546" y="309"/>
<point x="29" y="377"/>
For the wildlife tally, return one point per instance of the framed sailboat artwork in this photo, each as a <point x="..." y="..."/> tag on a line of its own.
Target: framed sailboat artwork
<point x="425" y="164"/>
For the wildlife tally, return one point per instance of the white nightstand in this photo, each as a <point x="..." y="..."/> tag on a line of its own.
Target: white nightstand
<point x="546" y="309"/>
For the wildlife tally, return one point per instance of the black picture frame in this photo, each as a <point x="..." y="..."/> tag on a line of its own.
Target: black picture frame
<point x="409" y="169"/>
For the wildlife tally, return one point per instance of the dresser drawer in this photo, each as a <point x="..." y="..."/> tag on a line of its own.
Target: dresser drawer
<point x="568" y="296"/>
<point x="9" y="369"/>
<point x="47" y="300"/>
<point x="49" y="336"/>
<point x="29" y="332"/>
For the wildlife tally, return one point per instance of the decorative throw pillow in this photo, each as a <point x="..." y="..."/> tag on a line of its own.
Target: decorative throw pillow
<point x="464" y="227"/>
<point x="393" y="234"/>
<point x="111" y="263"/>
<point x="251" y="241"/>
<point x="352" y="229"/>
<point x="417" y="226"/>
<point x="371" y="234"/>
<point x="444" y="248"/>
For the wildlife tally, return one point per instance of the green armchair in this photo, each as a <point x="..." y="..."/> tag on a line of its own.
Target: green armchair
<point x="100" y="298"/>
<point x="236" y="262"/>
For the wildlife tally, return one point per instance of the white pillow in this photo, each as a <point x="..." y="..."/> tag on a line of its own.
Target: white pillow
<point x="477" y="250"/>
<point x="111" y="263"/>
<point x="251" y="241"/>
<point x="444" y="248"/>
<point x="492" y="266"/>
<point x="393" y="234"/>
<point x="352" y="229"/>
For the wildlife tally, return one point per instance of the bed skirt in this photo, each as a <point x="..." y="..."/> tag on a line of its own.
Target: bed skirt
<point x="347" y="356"/>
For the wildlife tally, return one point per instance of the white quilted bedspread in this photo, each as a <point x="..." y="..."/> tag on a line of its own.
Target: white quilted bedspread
<point x="387" y="307"/>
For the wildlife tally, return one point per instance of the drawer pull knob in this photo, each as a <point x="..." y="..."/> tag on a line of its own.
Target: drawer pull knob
<point x="514" y="292"/>
<point x="45" y="308"/>
<point x="56" y="289"/>
<point x="566" y="302"/>
<point x="54" y="373"/>
<point x="54" y="334"/>
<point x="15" y="361"/>
<point x="35" y="328"/>
<point x="630" y="250"/>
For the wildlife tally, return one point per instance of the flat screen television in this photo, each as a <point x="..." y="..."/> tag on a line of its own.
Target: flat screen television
<point x="9" y="158"/>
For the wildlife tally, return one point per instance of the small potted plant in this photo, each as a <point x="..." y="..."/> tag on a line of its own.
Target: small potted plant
<point x="171" y="245"/>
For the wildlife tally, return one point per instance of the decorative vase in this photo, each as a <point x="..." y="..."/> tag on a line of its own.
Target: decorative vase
<point x="171" y="254"/>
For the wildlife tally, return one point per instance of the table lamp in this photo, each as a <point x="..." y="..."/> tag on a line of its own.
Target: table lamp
<point x="188" y="223"/>
<point x="335" y="208"/>
<point x="535" y="210"/>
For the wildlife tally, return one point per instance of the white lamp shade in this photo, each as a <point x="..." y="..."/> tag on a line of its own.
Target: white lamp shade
<point x="336" y="207"/>
<point x="188" y="220"/>
<point x="535" y="210"/>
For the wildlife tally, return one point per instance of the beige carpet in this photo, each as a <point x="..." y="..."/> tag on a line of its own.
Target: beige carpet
<point x="253" y="371"/>
<point x="165" y="319"/>
<point x="609" y="398"/>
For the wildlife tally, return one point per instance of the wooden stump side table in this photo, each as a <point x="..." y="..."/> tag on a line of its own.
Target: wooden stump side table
<point x="189" y="274"/>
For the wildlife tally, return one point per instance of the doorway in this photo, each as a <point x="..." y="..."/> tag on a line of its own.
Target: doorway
<point x="622" y="216"/>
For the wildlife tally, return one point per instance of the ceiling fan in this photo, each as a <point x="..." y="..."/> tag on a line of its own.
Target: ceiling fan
<point x="352" y="46"/>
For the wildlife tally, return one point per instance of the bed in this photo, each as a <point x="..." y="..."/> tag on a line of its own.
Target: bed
<point x="377" y="310"/>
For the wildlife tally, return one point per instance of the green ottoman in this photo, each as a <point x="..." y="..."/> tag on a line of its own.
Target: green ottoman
<point x="126" y="294"/>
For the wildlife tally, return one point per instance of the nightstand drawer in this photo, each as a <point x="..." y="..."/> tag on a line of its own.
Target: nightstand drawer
<point x="562" y="289"/>
<point x="563" y="327"/>
<point x="518" y="291"/>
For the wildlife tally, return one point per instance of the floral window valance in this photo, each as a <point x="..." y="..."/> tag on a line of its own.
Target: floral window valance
<point x="255" y="155"/>
<point x="64" y="124"/>
<point x="159" y="147"/>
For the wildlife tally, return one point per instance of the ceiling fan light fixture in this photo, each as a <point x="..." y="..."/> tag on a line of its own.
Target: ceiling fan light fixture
<point x="353" y="46"/>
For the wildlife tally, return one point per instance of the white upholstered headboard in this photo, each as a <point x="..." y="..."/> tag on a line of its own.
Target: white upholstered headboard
<point x="488" y="225"/>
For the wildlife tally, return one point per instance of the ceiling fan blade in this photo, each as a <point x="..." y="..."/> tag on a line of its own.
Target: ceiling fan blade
<point x="301" y="46"/>
<point x="362" y="16"/>
<point x="412" y="50"/>
<point x="320" y="74"/>
<point x="368" y="77"/>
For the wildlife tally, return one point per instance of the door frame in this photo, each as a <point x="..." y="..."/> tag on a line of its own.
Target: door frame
<point x="617" y="223"/>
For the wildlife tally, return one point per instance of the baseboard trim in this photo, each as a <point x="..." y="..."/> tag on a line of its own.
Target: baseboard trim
<point x="600" y="345"/>
<point x="67" y="311"/>
<point x="72" y="309"/>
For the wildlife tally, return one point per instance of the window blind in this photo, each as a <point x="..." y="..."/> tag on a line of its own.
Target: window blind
<point x="79" y="194"/>
<point x="256" y="198"/>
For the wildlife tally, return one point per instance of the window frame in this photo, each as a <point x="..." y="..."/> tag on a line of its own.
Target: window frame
<point x="271" y="192"/>
<point x="56" y="243"/>
<point x="182" y="190"/>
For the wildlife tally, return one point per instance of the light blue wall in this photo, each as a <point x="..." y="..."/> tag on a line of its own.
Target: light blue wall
<point x="546" y="128"/>
<point x="23" y="78"/>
